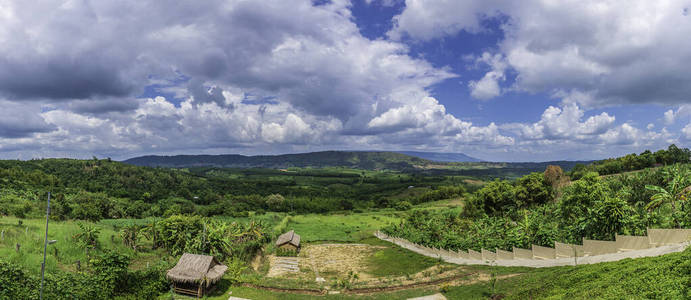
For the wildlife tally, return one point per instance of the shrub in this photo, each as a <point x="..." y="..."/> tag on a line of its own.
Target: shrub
<point x="403" y="205"/>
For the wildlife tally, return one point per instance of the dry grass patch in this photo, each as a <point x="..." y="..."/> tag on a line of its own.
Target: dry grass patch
<point x="337" y="260"/>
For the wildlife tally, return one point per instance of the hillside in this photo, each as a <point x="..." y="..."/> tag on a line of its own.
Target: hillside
<point x="442" y="156"/>
<point x="435" y="163"/>
<point x="347" y="159"/>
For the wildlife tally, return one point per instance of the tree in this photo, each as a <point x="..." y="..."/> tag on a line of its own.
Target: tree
<point x="496" y="196"/>
<point x="275" y="202"/>
<point x="677" y="180"/>
<point x="532" y="189"/>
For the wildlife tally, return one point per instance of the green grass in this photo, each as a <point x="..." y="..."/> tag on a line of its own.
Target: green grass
<point x="250" y="293"/>
<point x="31" y="241"/>
<point x="339" y="227"/>
<point x="68" y="252"/>
<point x="396" y="261"/>
<point x="663" y="277"/>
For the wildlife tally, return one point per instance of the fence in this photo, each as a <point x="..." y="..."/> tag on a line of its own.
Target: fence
<point x="657" y="242"/>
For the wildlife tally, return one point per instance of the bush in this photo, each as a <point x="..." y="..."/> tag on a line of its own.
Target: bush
<point x="403" y="205"/>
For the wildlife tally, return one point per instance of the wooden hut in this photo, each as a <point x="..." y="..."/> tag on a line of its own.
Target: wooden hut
<point x="195" y="274"/>
<point x="289" y="241"/>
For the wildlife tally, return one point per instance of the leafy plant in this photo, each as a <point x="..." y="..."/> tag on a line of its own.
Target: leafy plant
<point x="88" y="237"/>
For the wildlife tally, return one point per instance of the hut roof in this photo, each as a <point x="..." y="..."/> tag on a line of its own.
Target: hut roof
<point x="289" y="237"/>
<point x="197" y="268"/>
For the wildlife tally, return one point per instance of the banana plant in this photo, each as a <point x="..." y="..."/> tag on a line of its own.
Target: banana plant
<point x="677" y="180"/>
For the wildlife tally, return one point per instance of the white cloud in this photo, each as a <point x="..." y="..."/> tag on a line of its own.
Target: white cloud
<point x="617" y="51"/>
<point x="565" y="123"/>
<point x="686" y="132"/>
<point x="282" y="76"/>
<point x="488" y="86"/>
<point x="671" y="116"/>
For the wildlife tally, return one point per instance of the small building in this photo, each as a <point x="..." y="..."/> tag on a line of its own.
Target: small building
<point x="196" y="274"/>
<point x="289" y="241"/>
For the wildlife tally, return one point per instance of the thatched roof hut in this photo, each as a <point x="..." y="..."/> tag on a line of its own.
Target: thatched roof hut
<point x="195" y="270"/>
<point x="289" y="238"/>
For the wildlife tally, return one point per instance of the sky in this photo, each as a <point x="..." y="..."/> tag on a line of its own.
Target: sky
<point x="531" y="80"/>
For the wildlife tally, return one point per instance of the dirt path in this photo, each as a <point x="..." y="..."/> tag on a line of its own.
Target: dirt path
<point x="457" y="280"/>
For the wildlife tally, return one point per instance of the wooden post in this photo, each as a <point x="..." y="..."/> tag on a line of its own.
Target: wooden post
<point x="45" y="247"/>
<point x="18" y="246"/>
<point x="2" y="237"/>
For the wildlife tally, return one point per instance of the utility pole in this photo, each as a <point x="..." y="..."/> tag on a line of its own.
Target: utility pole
<point x="45" y="247"/>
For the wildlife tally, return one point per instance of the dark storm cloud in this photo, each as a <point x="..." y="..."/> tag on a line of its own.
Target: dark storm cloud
<point x="60" y="79"/>
<point x="20" y="121"/>
<point x="101" y="106"/>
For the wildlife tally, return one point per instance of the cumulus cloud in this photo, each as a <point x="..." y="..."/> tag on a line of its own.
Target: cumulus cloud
<point x="618" y="51"/>
<point x="123" y="78"/>
<point x="565" y="123"/>
<point x="686" y="132"/>
<point x="488" y="86"/>
<point x="671" y="116"/>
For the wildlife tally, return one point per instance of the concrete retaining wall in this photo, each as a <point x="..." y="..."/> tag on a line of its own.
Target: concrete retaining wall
<point x="488" y="255"/>
<point x="504" y="255"/>
<point x="474" y="254"/>
<point x="540" y="252"/>
<point x="524" y="257"/>
<point x="661" y="237"/>
<point x="593" y="247"/>
<point x="519" y="253"/>
<point x="628" y="242"/>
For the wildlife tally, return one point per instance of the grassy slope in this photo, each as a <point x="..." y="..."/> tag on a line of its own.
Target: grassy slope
<point x="31" y="240"/>
<point x="395" y="260"/>
<point x="664" y="277"/>
<point x="340" y="227"/>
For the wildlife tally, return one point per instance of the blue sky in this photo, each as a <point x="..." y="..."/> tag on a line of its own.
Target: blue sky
<point x="498" y="80"/>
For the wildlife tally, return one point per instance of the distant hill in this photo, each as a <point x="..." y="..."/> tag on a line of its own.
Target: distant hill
<point x="348" y="159"/>
<point x="366" y="160"/>
<point x="441" y="156"/>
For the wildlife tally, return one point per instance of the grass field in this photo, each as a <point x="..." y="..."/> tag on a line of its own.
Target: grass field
<point x="340" y="227"/>
<point x="396" y="261"/>
<point x="664" y="277"/>
<point x="30" y="235"/>
<point x="667" y="276"/>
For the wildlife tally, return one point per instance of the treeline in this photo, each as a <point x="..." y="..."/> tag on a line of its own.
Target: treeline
<point x="633" y="162"/>
<point x="97" y="189"/>
<point x="536" y="210"/>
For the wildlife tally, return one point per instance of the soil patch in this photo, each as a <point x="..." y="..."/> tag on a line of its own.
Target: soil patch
<point x="339" y="259"/>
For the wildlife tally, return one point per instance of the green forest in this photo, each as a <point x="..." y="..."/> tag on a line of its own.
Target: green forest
<point x="119" y="227"/>
<point x="541" y="208"/>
